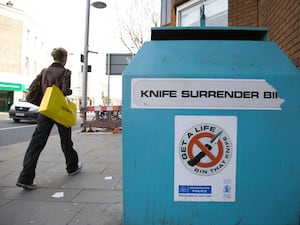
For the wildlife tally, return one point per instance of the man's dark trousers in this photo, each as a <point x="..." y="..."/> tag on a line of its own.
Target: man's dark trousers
<point x="37" y="144"/>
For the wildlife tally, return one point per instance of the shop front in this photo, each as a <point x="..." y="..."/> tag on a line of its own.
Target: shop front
<point x="9" y="92"/>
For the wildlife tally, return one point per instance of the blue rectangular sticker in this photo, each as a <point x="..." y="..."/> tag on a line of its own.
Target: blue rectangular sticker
<point x="192" y="189"/>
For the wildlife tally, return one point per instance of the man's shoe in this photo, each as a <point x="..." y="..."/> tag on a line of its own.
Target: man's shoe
<point x="27" y="186"/>
<point x="77" y="170"/>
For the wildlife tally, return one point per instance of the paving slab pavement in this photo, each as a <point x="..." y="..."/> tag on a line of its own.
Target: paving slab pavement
<point x="92" y="197"/>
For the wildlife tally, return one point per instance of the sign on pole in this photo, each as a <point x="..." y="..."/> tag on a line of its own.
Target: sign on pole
<point x="117" y="62"/>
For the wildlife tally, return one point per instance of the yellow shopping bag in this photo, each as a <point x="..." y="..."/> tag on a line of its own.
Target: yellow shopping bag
<point x="58" y="107"/>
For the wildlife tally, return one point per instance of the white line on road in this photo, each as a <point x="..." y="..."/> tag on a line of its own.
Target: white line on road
<point x="17" y="127"/>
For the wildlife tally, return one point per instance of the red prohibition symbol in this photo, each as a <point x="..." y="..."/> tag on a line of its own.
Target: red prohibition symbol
<point x="196" y="143"/>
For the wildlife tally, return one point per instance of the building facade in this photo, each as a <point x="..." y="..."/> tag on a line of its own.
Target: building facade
<point x="23" y="51"/>
<point x="282" y="18"/>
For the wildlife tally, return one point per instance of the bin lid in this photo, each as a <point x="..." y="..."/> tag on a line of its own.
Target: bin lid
<point x="220" y="52"/>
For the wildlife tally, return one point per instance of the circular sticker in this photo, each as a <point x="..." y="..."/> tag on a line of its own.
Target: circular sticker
<point x="205" y="149"/>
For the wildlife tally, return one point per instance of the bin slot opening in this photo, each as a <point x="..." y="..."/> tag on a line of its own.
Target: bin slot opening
<point x="196" y="33"/>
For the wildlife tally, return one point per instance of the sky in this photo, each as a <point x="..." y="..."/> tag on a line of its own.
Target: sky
<point x="63" y="22"/>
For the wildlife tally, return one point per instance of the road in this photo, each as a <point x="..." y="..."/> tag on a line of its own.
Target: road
<point x="12" y="132"/>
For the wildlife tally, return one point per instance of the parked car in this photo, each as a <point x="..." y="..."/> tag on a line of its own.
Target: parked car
<point x="23" y="110"/>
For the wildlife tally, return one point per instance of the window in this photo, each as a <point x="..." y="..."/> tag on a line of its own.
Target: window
<point x="27" y="66"/>
<point x="27" y="36"/>
<point x="165" y="12"/>
<point x="35" y="42"/>
<point x="216" y="13"/>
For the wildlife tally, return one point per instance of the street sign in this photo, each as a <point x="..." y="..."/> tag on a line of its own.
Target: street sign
<point x="117" y="62"/>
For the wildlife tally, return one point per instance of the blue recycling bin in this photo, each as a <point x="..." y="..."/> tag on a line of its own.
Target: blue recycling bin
<point x="210" y="130"/>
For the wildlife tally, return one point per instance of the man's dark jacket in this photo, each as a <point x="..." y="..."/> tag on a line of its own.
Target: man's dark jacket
<point x="58" y="75"/>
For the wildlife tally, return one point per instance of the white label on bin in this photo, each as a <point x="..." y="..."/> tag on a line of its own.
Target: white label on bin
<point x="255" y="94"/>
<point x="205" y="158"/>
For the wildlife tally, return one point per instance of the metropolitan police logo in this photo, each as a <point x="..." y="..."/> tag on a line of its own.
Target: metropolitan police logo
<point x="205" y="149"/>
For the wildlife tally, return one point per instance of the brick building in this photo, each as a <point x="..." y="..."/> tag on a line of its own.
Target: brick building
<point x="282" y="18"/>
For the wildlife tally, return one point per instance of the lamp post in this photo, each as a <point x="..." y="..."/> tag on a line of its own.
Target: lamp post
<point x="99" y="5"/>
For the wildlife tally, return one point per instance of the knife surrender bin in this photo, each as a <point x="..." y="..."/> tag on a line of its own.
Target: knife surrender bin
<point x="211" y="130"/>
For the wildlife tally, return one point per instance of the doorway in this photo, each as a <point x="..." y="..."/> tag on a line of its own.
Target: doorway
<point x="6" y="100"/>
